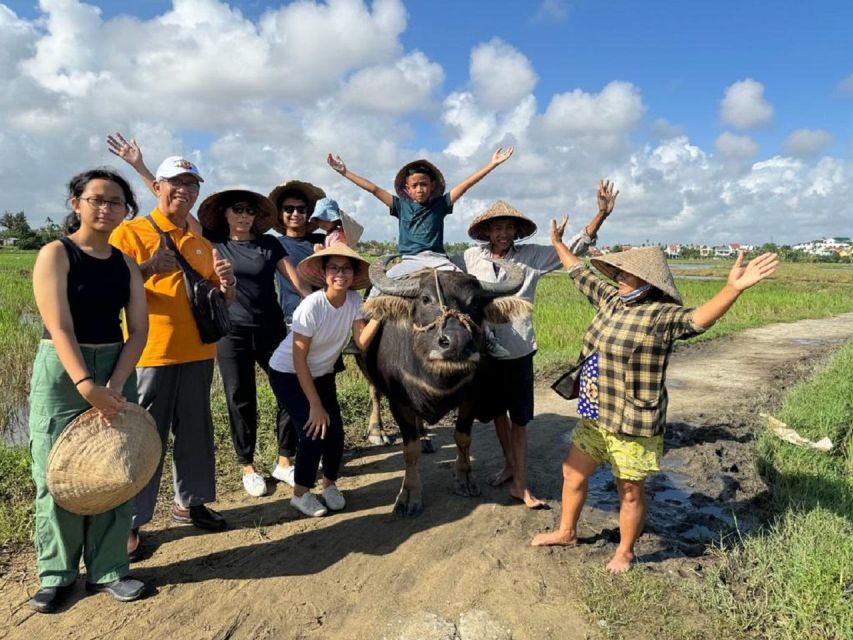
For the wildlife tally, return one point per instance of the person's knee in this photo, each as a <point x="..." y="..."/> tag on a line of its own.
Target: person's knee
<point x="631" y="492"/>
<point x="573" y="478"/>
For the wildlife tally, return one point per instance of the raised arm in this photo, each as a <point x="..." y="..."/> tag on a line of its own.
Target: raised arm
<point x="606" y="201"/>
<point x="132" y="155"/>
<point x="338" y="165"/>
<point x="740" y="279"/>
<point x="498" y="157"/>
<point x="565" y="254"/>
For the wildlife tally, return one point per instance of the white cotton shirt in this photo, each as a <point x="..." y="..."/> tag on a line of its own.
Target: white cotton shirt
<point x="328" y="328"/>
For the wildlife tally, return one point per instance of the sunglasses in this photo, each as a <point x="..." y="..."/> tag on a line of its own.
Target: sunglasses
<point x="239" y="209"/>
<point x="294" y="208"/>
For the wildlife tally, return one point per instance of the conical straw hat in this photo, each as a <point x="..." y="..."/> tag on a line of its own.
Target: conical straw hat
<point x="647" y="263"/>
<point x="478" y="229"/>
<point x="94" y="467"/>
<point x="211" y="213"/>
<point x="311" y="268"/>
<point x="310" y="192"/>
<point x="352" y="229"/>
<point x="438" y="185"/>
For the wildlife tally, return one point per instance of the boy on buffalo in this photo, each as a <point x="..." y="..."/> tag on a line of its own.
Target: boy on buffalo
<point x="420" y="206"/>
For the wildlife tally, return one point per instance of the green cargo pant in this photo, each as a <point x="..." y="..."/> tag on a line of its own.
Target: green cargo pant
<point x="61" y="536"/>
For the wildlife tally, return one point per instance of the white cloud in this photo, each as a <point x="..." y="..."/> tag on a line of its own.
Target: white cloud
<point x="744" y="106"/>
<point x="846" y="86"/>
<point x="551" y="11"/>
<point x="501" y="76"/>
<point x="733" y="146"/>
<point x="617" y="109"/>
<point x="405" y="86"/>
<point x="807" y="142"/>
<point x="256" y="102"/>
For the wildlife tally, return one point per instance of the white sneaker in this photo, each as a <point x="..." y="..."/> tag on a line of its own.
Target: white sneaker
<point x="285" y="474"/>
<point x="308" y="504"/>
<point x="254" y="484"/>
<point x="333" y="498"/>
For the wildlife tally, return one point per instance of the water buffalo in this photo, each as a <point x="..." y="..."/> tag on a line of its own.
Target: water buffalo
<point x="427" y="353"/>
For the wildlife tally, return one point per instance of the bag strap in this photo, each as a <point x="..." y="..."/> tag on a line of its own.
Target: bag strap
<point x="185" y="266"/>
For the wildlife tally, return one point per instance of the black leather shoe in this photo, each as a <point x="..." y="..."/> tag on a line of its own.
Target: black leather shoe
<point x="201" y="516"/>
<point x="123" y="590"/>
<point x="49" y="599"/>
<point x="206" y="518"/>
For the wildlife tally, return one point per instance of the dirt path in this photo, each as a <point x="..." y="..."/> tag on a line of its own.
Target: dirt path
<point x="464" y="569"/>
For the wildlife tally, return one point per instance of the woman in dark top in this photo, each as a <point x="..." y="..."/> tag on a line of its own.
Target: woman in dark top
<point x="81" y="285"/>
<point x="235" y="221"/>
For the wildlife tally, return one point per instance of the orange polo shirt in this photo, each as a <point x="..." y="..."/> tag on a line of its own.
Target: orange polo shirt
<point x="172" y="333"/>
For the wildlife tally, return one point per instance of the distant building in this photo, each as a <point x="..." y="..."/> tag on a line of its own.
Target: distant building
<point x="673" y="251"/>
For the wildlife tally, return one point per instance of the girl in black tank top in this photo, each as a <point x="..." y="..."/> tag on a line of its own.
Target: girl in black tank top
<point x="81" y="285"/>
<point x="98" y="289"/>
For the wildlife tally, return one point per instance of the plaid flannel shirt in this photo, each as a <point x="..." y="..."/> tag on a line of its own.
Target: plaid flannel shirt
<point x="633" y="344"/>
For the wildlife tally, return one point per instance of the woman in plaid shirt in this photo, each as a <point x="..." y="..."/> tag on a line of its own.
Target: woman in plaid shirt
<point x="619" y="376"/>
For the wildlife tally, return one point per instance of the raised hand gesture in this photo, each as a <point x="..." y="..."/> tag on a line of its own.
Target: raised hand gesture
<point x="337" y="164"/>
<point x="501" y="155"/>
<point x="743" y="277"/>
<point x="127" y="151"/>
<point x="558" y="229"/>
<point x="606" y="198"/>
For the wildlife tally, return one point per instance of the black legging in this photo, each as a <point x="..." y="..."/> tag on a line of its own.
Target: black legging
<point x="288" y="391"/>
<point x="237" y="354"/>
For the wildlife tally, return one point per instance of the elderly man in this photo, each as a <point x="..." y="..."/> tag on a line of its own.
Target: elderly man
<point x="176" y="368"/>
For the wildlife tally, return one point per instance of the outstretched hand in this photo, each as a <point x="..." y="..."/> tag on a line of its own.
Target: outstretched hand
<point x="337" y="164"/>
<point x="743" y="277"/>
<point x="501" y="155"/>
<point x="606" y="198"/>
<point x="127" y="151"/>
<point x="558" y="229"/>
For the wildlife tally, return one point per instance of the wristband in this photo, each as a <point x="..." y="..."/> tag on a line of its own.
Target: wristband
<point x="81" y="380"/>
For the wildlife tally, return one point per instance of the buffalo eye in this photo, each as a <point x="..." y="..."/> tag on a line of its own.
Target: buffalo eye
<point x="425" y="299"/>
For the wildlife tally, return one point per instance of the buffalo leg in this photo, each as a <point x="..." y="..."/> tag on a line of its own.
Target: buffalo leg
<point x="376" y="431"/>
<point x="463" y="480"/>
<point x="426" y="441"/>
<point x="409" y="502"/>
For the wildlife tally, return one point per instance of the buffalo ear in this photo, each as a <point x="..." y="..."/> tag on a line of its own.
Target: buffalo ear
<point x="507" y="309"/>
<point x="384" y="308"/>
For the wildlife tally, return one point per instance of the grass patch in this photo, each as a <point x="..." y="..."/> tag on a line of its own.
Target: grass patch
<point x="789" y="582"/>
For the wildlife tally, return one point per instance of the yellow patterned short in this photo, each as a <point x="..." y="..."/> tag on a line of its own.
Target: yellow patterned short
<point x="631" y="457"/>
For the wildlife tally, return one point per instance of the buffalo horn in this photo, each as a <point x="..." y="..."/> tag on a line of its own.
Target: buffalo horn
<point x="407" y="288"/>
<point x="513" y="282"/>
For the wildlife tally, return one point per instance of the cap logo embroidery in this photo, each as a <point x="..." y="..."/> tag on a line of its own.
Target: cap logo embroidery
<point x="184" y="164"/>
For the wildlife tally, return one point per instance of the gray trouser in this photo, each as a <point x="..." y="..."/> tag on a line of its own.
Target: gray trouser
<point x="178" y="397"/>
<point x="416" y="262"/>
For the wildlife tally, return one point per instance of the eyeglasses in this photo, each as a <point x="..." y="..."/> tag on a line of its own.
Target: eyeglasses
<point x="100" y="203"/>
<point x="301" y="209"/>
<point x="240" y="209"/>
<point x="333" y="270"/>
<point x="189" y="185"/>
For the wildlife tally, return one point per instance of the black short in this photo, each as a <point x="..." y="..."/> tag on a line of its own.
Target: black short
<point x="506" y="386"/>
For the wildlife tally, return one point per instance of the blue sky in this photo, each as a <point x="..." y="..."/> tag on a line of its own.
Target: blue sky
<point x="782" y="153"/>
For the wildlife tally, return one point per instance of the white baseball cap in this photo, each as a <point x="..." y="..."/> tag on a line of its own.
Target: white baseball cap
<point x="175" y="166"/>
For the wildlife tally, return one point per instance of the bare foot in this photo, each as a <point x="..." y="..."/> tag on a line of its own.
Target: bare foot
<point x="558" y="537"/>
<point x="620" y="562"/>
<point x="501" y="476"/>
<point x="530" y="501"/>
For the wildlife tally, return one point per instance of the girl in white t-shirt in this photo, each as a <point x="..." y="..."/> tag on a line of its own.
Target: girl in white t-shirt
<point x="302" y="369"/>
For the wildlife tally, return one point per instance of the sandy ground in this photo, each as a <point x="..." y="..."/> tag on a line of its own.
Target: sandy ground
<point x="463" y="570"/>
